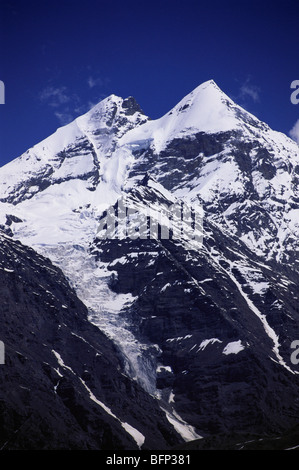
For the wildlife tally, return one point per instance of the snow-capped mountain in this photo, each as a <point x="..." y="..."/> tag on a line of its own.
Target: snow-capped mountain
<point x="209" y="149"/>
<point x="56" y="393"/>
<point x="205" y="323"/>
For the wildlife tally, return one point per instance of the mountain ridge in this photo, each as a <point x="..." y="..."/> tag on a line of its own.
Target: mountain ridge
<point x="205" y="327"/>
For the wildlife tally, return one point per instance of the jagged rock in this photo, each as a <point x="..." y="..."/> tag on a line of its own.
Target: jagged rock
<point x="205" y="324"/>
<point x="49" y="400"/>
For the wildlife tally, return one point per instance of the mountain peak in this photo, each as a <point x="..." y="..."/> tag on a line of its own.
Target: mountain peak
<point x="210" y="105"/>
<point x="76" y="151"/>
<point x="207" y="84"/>
<point x="205" y="109"/>
<point x="110" y="107"/>
<point x="176" y="311"/>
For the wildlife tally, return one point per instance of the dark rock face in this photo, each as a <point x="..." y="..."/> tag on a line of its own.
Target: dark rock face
<point x="59" y="368"/>
<point x="246" y="441"/>
<point x="215" y="321"/>
<point x="193" y="305"/>
<point x="131" y="106"/>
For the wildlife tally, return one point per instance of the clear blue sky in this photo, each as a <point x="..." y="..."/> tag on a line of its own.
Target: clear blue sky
<point x="59" y="57"/>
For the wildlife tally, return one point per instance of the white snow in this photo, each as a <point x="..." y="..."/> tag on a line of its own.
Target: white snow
<point x="205" y="110"/>
<point x="137" y="436"/>
<point x="60" y="222"/>
<point x="233" y="348"/>
<point x="205" y="343"/>
<point x="254" y="278"/>
<point x="268" y="329"/>
<point x="160" y="368"/>
<point x="61" y="362"/>
<point x="165" y="287"/>
<point x="187" y="431"/>
<point x="171" y="397"/>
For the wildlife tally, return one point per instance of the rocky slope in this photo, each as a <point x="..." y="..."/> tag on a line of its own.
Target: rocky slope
<point x="56" y="392"/>
<point x="203" y="315"/>
<point x="222" y="344"/>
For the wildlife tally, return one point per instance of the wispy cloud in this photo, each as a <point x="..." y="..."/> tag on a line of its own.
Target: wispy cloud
<point x="54" y="96"/>
<point x="62" y="100"/>
<point x="247" y="94"/>
<point x="247" y="89"/>
<point x="294" y="132"/>
<point x="64" y="117"/>
<point x="95" y="82"/>
<point x="98" y="82"/>
<point x="66" y="103"/>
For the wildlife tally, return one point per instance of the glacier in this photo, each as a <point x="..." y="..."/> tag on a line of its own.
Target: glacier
<point x="214" y="156"/>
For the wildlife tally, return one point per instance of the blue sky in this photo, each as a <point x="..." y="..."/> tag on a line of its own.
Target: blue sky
<point x="58" y="58"/>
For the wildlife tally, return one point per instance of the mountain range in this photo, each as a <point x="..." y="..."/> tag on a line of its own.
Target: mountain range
<point x="164" y="331"/>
